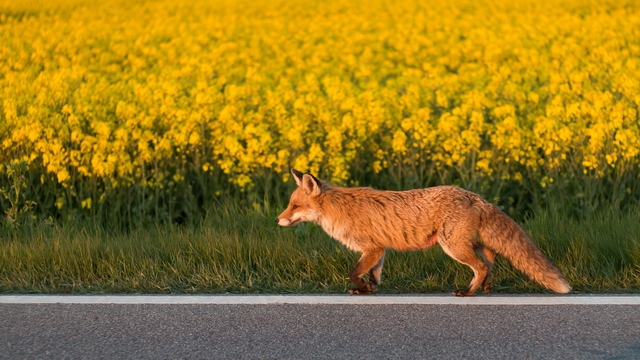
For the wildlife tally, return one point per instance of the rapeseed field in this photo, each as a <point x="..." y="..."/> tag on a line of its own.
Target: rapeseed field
<point x="126" y="111"/>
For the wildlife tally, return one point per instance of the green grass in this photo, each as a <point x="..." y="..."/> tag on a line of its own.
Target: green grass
<point x="243" y="251"/>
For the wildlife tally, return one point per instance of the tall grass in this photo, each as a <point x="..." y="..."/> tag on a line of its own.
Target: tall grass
<point x="241" y="250"/>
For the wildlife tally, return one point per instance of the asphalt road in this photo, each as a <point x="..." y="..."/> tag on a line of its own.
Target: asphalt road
<point x="319" y="331"/>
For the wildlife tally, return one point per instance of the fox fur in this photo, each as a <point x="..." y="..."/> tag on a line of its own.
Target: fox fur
<point x="370" y="221"/>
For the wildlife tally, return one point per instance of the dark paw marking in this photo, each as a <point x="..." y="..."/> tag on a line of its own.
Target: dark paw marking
<point x="486" y="288"/>
<point x="367" y="289"/>
<point x="461" y="293"/>
<point x="356" y="291"/>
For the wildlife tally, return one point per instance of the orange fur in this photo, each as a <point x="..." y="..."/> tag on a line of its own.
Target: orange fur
<point x="370" y="221"/>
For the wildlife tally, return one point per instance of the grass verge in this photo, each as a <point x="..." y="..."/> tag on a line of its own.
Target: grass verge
<point x="243" y="251"/>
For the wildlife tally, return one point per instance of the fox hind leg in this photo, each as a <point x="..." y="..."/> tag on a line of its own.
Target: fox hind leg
<point x="368" y="261"/>
<point x="376" y="271"/>
<point x="488" y="256"/>
<point x="468" y="257"/>
<point x="460" y="242"/>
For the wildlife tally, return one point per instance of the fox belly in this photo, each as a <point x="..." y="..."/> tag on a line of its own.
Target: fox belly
<point x="431" y="240"/>
<point x="401" y="245"/>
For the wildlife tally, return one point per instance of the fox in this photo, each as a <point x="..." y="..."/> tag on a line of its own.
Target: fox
<point x="467" y="227"/>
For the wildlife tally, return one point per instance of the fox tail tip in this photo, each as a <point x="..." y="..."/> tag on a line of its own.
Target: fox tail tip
<point x="562" y="288"/>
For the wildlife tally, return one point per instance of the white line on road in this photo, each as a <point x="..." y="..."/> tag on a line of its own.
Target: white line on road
<point x="325" y="299"/>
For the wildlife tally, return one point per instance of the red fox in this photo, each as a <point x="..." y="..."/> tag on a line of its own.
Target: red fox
<point x="370" y="221"/>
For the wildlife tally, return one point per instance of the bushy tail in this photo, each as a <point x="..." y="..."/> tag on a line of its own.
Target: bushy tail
<point x="502" y="235"/>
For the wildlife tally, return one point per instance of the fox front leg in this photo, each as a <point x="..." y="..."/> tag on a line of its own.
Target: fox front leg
<point x="368" y="260"/>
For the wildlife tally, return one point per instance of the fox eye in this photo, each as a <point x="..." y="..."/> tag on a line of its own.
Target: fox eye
<point x="294" y="207"/>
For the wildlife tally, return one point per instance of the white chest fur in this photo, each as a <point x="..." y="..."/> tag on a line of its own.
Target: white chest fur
<point x="340" y="233"/>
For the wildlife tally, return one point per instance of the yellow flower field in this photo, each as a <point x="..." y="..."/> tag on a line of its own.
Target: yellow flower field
<point x="512" y="99"/>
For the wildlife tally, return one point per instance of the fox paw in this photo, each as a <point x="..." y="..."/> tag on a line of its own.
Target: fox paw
<point x="486" y="287"/>
<point x="356" y="291"/>
<point x="367" y="289"/>
<point x="462" y="293"/>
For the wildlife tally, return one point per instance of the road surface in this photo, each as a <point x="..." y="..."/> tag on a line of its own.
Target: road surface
<point x="319" y="330"/>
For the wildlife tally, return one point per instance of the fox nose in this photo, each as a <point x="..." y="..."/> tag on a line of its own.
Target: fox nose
<point x="277" y="220"/>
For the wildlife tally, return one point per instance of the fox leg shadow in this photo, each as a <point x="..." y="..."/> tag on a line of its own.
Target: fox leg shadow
<point x="371" y="260"/>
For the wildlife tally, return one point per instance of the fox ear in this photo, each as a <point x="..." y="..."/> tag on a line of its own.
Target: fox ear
<point x="297" y="175"/>
<point x="311" y="185"/>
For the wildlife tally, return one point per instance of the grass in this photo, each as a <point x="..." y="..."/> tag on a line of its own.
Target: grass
<point x="243" y="251"/>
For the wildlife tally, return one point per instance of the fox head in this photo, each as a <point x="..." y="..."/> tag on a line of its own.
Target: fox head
<point x="303" y="205"/>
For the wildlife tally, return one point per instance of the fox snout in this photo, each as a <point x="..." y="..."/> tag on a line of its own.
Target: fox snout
<point x="283" y="221"/>
<point x="291" y="217"/>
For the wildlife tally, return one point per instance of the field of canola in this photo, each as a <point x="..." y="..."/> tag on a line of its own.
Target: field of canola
<point x="153" y="109"/>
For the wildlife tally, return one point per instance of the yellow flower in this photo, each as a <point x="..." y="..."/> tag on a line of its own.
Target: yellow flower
<point x="86" y="203"/>
<point x="399" y="142"/>
<point x="63" y="175"/>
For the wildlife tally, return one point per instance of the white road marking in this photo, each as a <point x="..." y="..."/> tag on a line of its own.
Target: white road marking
<point x="326" y="299"/>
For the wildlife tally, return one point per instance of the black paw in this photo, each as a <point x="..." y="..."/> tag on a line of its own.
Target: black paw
<point x="356" y="291"/>
<point x="462" y="293"/>
<point x="367" y="289"/>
